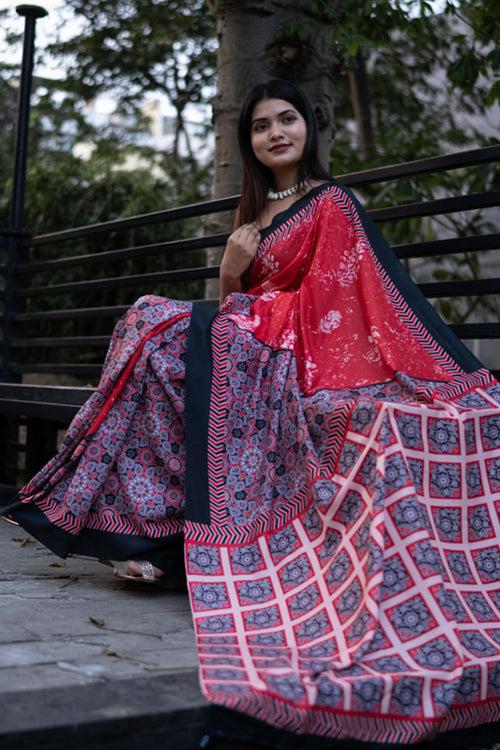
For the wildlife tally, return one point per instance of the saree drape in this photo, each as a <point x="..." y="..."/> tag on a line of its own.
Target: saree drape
<point x="328" y="453"/>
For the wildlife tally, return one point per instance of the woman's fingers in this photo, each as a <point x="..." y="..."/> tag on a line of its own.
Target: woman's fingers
<point x="250" y="232"/>
<point x="254" y="229"/>
<point x="247" y="234"/>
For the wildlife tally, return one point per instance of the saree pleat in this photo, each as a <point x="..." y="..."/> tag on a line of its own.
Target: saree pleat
<point x="329" y="452"/>
<point x="115" y="488"/>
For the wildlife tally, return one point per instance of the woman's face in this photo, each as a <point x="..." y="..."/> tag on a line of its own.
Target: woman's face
<point x="277" y="134"/>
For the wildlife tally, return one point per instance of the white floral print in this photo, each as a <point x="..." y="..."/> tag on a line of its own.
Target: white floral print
<point x="330" y="321"/>
<point x="347" y="268"/>
<point x="249" y="324"/>
<point x="311" y="368"/>
<point x="268" y="296"/>
<point x="287" y="339"/>
<point x="269" y="262"/>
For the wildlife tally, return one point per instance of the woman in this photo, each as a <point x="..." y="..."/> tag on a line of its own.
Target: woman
<point x="329" y="450"/>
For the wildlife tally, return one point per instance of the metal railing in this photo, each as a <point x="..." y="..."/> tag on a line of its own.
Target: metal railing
<point x="25" y="285"/>
<point x="31" y="281"/>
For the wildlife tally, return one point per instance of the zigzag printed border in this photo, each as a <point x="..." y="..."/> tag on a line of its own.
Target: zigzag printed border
<point x="272" y="521"/>
<point x="106" y="521"/>
<point x="217" y="427"/>
<point x="461" y="380"/>
<point x="225" y="533"/>
<point x="222" y="529"/>
<point x="336" y="438"/>
<point x="283" y="231"/>
<point x="465" y="382"/>
<point x="220" y="520"/>
<point x="280" y="713"/>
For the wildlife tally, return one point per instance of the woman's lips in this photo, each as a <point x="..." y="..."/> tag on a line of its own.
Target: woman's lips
<point x="280" y="149"/>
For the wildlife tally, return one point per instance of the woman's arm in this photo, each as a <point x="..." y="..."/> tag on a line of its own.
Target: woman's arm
<point x="240" y="250"/>
<point x="228" y="285"/>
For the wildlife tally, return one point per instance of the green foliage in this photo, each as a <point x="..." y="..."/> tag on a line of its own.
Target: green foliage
<point x="144" y="46"/>
<point x="415" y="114"/>
<point x="64" y="192"/>
<point x="372" y="25"/>
<point x="140" y="46"/>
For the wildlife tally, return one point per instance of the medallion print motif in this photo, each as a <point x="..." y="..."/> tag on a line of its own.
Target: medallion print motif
<point x="341" y="541"/>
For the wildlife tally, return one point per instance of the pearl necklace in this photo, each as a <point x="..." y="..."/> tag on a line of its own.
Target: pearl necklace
<point x="272" y="196"/>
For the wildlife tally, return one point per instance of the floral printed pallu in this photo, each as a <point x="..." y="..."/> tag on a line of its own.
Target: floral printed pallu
<point x="330" y="452"/>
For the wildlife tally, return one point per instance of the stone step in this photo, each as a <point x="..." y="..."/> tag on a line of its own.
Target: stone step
<point x="146" y="712"/>
<point x="90" y="662"/>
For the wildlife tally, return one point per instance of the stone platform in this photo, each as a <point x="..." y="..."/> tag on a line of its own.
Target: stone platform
<point x="79" y="647"/>
<point x="91" y="662"/>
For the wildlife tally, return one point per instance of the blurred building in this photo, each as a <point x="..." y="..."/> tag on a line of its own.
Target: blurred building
<point x="157" y="132"/>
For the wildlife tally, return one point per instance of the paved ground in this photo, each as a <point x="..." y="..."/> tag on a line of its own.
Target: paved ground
<point x="69" y="628"/>
<point x="89" y="662"/>
<point x="70" y="622"/>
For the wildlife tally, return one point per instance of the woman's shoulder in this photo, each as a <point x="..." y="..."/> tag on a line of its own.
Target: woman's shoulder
<point x="328" y="188"/>
<point x="334" y="193"/>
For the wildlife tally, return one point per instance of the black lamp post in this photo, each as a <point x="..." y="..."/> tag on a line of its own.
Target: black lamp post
<point x="16" y="228"/>
<point x="31" y="13"/>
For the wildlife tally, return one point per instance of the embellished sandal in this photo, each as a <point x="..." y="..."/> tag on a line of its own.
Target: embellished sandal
<point x="147" y="572"/>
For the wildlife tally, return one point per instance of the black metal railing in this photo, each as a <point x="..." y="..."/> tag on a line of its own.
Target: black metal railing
<point x="27" y="288"/>
<point x="58" y="305"/>
<point x="30" y="354"/>
<point x="53" y="325"/>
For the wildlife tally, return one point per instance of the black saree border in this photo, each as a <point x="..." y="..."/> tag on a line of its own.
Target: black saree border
<point x="282" y="216"/>
<point x="197" y="390"/>
<point x="165" y="552"/>
<point x="412" y="295"/>
<point x="400" y="278"/>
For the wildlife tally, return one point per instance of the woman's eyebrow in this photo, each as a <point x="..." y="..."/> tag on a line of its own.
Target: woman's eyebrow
<point x="258" y="119"/>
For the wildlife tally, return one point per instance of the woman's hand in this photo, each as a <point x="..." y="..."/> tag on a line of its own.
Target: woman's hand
<point x="240" y="251"/>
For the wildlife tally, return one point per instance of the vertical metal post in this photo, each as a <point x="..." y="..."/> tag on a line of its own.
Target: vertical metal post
<point x="9" y="427"/>
<point x="30" y="13"/>
<point x="16" y="229"/>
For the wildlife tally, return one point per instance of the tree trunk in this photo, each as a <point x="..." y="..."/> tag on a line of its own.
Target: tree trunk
<point x="360" y="98"/>
<point x="258" y="40"/>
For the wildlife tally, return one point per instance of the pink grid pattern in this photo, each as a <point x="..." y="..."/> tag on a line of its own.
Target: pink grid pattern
<point x="311" y="634"/>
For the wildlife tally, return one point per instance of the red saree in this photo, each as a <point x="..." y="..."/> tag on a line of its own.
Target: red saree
<point x="331" y="453"/>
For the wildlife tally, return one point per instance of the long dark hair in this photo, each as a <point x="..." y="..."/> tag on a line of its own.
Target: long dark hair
<point x="257" y="178"/>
